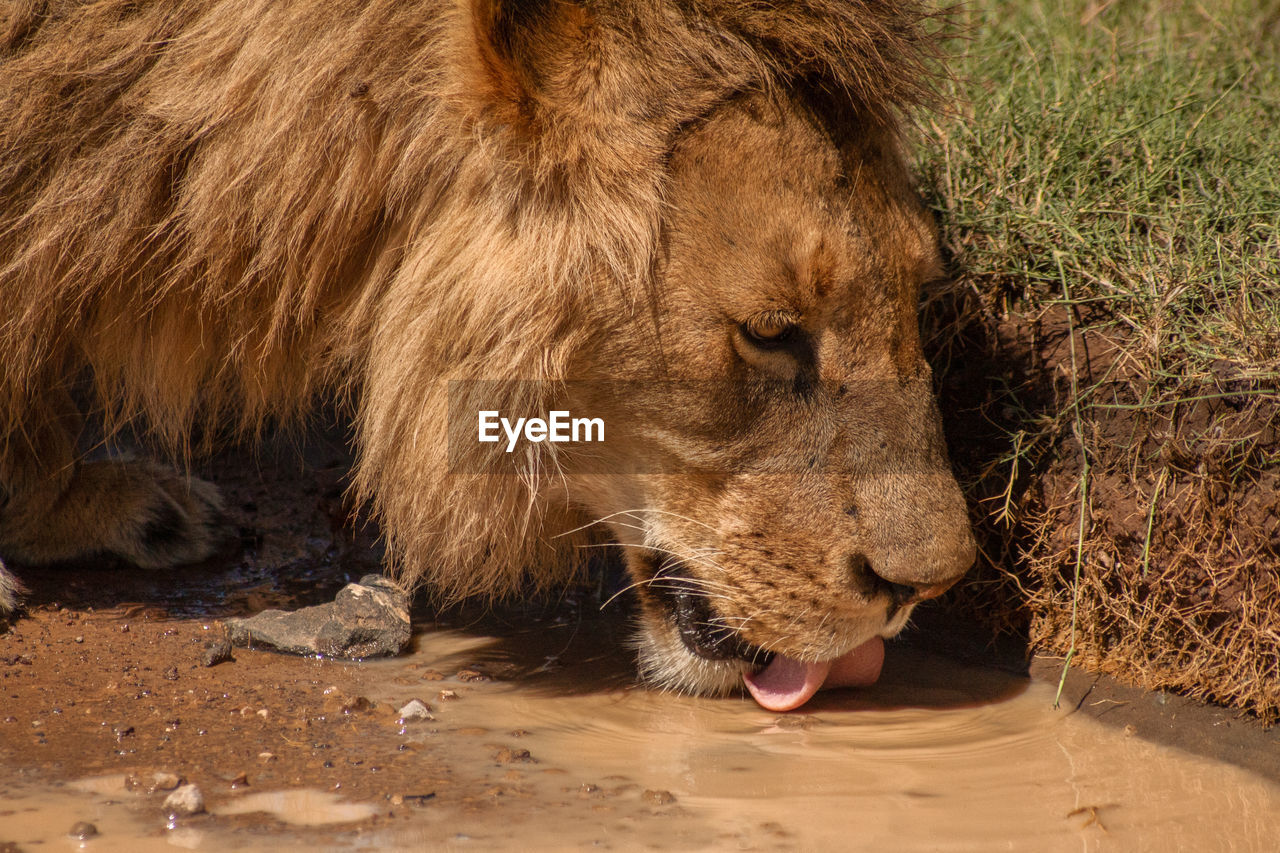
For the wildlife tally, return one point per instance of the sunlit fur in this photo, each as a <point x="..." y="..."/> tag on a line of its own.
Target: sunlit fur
<point x="217" y="212"/>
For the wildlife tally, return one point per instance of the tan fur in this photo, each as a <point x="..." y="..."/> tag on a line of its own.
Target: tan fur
<point x="218" y="211"/>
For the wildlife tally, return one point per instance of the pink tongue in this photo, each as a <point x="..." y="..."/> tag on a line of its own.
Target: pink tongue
<point x="787" y="683"/>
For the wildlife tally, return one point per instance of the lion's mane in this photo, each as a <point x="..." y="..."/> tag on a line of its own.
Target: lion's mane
<point x="221" y="210"/>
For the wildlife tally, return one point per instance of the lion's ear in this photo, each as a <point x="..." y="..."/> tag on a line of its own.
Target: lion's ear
<point x="530" y="53"/>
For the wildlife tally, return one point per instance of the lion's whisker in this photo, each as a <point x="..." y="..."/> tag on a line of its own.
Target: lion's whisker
<point x="633" y="513"/>
<point x="698" y="559"/>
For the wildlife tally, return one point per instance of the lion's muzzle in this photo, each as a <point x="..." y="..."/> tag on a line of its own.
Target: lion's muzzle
<point x="703" y="633"/>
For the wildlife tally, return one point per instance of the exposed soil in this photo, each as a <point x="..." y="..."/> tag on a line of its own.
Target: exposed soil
<point x="122" y="690"/>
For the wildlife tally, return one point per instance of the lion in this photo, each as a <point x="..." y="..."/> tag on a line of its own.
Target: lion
<point x="692" y="219"/>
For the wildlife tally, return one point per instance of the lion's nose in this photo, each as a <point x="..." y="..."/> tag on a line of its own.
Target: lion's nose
<point x="904" y="594"/>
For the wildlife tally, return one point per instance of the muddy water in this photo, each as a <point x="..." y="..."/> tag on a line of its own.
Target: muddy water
<point x="563" y="752"/>
<point x="936" y="757"/>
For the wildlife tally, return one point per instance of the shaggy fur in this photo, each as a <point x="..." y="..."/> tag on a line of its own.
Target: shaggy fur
<point x="218" y="211"/>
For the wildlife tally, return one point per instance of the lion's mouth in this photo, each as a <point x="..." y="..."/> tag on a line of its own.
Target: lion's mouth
<point x="777" y="682"/>
<point x="701" y="630"/>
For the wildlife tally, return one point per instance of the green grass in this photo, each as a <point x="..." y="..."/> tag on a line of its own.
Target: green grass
<point x="1140" y="150"/>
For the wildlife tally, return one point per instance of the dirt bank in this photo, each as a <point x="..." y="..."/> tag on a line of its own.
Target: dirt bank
<point x="1167" y="579"/>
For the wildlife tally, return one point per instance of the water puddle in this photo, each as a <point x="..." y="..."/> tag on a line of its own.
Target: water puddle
<point x="938" y="756"/>
<point x="299" y="807"/>
<point x="554" y="748"/>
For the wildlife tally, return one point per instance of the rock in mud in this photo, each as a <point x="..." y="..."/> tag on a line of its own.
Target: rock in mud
<point x="507" y="755"/>
<point x="164" y="781"/>
<point x="415" y="709"/>
<point x="83" y="831"/>
<point x="366" y="619"/>
<point x="217" y="649"/>
<point x="658" y="798"/>
<point x="186" y="800"/>
<point x="411" y="799"/>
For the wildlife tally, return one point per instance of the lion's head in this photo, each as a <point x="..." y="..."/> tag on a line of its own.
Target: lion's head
<point x="792" y="496"/>
<point x="744" y="252"/>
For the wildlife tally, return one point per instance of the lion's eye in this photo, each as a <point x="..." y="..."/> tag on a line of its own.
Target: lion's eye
<point x="770" y="332"/>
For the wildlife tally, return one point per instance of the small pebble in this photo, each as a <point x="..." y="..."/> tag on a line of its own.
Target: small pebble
<point x="171" y="674"/>
<point x="658" y="798"/>
<point x="266" y="756"/>
<point x="446" y="695"/>
<point x="83" y="831"/>
<point x="217" y="649"/>
<point x="186" y="800"/>
<point x="415" y="709"/>
<point x="507" y="755"/>
<point x="470" y="675"/>
<point x="165" y="781"/>
<point x="81" y="640"/>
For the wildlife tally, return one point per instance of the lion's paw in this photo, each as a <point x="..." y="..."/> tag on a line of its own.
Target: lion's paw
<point x="173" y="519"/>
<point x="137" y="510"/>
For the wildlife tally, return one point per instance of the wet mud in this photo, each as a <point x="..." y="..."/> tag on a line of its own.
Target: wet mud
<point x="529" y="731"/>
